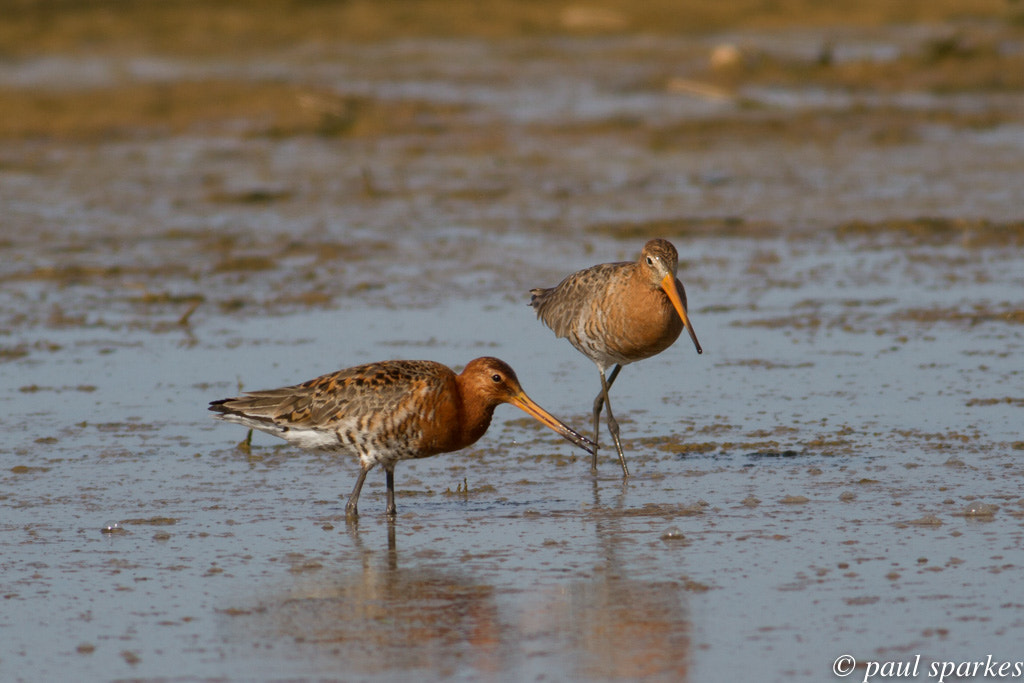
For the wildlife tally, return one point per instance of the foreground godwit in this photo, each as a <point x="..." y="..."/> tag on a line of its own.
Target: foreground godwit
<point x="389" y="411"/>
<point x="618" y="313"/>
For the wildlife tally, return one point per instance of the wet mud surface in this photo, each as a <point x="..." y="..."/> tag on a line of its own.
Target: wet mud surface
<point x="839" y="473"/>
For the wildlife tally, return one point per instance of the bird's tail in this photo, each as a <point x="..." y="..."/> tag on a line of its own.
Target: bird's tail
<point x="537" y="297"/>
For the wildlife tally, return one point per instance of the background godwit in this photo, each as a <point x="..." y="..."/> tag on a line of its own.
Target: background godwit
<point x="618" y="313"/>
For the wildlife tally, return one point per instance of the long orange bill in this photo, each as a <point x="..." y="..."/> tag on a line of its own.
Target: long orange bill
<point x="669" y="285"/>
<point x="545" y="418"/>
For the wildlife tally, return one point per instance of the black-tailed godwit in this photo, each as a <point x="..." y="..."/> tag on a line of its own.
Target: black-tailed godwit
<point x="389" y="411"/>
<point x="618" y="313"/>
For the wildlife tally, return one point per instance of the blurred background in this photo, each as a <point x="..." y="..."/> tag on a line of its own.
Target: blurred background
<point x="299" y="139"/>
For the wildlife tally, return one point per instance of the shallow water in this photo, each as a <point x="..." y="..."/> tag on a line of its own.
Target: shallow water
<point x="838" y="473"/>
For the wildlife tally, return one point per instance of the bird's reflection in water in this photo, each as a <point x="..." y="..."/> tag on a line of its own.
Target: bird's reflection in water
<point x="616" y="629"/>
<point x="613" y="626"/>
<point x="384" y="618"/>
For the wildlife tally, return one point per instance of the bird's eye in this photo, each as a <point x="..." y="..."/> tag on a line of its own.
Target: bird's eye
<point x="496" y="378"/>
<point x="650" y="261"/>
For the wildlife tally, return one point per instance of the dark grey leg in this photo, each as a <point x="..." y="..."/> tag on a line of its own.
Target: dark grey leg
<point x="390" y="476"/>
<point x="353" y="500"/>
<point x="599" y="402"/>
<point x="613" y="427"/>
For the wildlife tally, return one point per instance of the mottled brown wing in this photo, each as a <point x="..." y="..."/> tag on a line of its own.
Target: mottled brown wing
<point x="363" y="390"/>
<point x="560" y="307"/>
